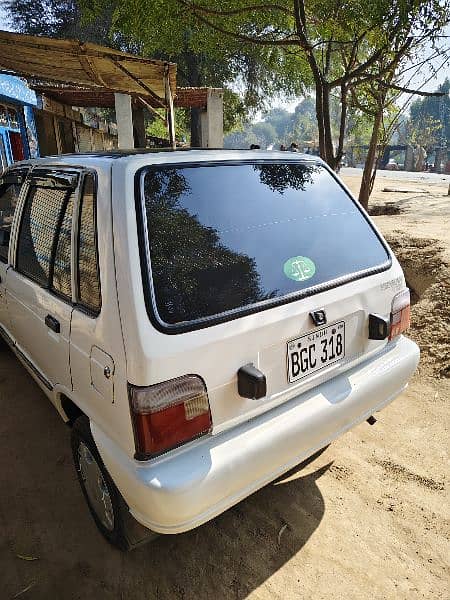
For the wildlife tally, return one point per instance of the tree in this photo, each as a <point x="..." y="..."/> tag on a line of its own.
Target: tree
<point x="425" y="117"/>
<point x="62" y="19"/>
<point x="200" y="58"/>
<point x="346" y="45"/>
<point x="379" y="102"/>
<point x="133" y="30"/>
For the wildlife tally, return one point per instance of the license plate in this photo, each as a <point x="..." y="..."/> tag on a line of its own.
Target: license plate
<point x="315" y="350"/>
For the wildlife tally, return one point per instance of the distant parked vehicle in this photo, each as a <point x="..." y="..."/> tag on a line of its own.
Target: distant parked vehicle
<point x="203" y="320"/>
<point x="392" y="165"/>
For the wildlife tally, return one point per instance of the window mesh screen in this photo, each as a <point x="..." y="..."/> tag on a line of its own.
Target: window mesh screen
<point x="88" y="281"/>
<point x="39" y="223"/>
<point x="62" y="281"/>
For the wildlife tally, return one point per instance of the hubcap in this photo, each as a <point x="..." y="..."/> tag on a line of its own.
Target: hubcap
<point x="96" y="487"/>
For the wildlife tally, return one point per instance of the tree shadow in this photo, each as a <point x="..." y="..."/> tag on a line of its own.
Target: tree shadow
<point x="43" y="515"/>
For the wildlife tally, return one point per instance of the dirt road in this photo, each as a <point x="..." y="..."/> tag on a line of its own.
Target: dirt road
<point x="369" y="518"/>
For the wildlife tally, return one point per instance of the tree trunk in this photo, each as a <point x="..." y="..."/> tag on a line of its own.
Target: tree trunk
<point x="365" y="189"/>
<point x="328" y="138"/>
<point x="342" y="125"/>
<point x="194" y="79"/>
<point x="323" y="117"/>
<point x="319" y="118"/>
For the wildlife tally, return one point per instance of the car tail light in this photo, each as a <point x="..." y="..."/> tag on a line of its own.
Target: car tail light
<point x="169" y="414"/>
<point x="400" y="313"/>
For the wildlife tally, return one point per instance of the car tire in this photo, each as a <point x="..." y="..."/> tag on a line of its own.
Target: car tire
<point x="106" y="505"/>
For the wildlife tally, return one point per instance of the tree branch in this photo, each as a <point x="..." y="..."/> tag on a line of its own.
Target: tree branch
<point x="410" y="91"/>
<point x="238" y="36"/>
<point x="238" y="11"/>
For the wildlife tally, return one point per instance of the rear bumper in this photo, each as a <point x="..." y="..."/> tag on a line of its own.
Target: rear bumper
<point x="189" y="486"/>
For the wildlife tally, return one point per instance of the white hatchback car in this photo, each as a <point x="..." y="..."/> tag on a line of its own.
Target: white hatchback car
<point x="204" y="320"/>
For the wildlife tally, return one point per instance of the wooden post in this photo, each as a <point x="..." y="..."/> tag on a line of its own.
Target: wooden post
<point x="169" y="109"/>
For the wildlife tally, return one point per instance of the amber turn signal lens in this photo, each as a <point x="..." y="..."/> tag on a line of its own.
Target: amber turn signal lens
<point x="400" y="313"/>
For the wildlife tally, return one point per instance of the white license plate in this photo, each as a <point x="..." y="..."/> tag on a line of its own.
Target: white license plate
<point x="315" y="350"/>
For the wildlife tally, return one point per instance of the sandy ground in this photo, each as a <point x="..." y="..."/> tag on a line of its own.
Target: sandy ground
<point x="369" y="518"/>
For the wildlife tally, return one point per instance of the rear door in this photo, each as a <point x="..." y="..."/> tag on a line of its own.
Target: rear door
<point x="39" y="286"/>
<point x="92" y="367"/>
<point x="269" y="263"/>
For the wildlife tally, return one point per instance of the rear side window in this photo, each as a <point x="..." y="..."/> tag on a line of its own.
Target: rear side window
<point x="88" y="271"/>
<point x="10" y="187"/>
<point x="41" y="221"/>
<point x="228" y="237"/>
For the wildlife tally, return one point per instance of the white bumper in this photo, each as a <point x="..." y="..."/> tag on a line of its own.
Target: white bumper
<point x="185" y="488"/>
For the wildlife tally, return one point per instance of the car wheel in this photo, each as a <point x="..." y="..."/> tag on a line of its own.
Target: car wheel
<point x="107" y="507"/>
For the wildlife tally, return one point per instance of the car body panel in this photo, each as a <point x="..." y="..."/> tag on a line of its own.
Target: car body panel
<point x="178" y="492"/>
<point x="252" y="441"/>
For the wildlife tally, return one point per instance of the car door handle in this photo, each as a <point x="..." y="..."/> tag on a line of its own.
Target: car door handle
<point x="52" y="323"/>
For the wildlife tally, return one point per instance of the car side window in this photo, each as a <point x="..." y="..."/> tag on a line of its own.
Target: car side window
<point x="10" y="187"/>
<point x="43" y="219"/>
<point x="89" y="295"/>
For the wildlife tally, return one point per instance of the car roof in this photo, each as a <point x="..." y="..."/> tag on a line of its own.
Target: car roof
<point x="168" y="156"/>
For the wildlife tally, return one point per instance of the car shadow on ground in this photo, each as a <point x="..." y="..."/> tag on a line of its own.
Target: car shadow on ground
<point x="50" y="548"/>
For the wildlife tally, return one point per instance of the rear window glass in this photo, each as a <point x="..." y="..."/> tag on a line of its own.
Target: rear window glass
<point x="226" y="237"/>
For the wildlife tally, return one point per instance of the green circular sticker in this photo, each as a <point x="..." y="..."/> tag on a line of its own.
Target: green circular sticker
<point x="299" y="268"/>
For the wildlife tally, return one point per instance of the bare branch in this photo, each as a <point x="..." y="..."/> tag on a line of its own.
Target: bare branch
<point x="238" y="11"/>
<point x="248" y="39"/>
<point x="410" y="91"/>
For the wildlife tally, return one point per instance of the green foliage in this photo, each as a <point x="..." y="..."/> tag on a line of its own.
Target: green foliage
<point x="279" y="127"/>
<point x="158" y="128"/>
<point x="165" y="29"/>
<point x="425" y="117"/>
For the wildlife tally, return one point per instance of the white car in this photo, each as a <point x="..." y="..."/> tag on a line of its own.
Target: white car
<point x="203" y="320"/>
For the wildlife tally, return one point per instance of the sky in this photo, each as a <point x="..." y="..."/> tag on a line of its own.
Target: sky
<point x="419" y="81"/>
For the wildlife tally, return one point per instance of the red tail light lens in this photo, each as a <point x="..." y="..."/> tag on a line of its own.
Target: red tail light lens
<point x="400" y="313"/>
<point x="169" y="414"/>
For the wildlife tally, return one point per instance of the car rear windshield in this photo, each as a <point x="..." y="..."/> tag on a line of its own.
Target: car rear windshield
<point x="235" y="237"/>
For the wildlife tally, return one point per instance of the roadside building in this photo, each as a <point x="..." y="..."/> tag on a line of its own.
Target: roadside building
<point x="70" y="83"/>
<point x="18" y="139"/>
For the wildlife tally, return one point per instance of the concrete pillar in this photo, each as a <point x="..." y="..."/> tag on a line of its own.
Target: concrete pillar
<point x="409" y="158"/>
<point x="124" y="118"/>
<point x="211" y="120"/>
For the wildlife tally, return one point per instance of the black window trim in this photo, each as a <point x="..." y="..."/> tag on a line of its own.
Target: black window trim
<point x="242" y="311"/>
<point x="51" y="286"/>
<point x="84" y="308"/>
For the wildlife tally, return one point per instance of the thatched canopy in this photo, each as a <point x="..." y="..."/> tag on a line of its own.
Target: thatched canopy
<point x="100" y="98"/>
<point x="87" y="65"/>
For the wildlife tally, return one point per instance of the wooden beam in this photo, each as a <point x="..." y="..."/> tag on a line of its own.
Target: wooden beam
<point x="145" y="87"/>
<point x="150" y="108"/>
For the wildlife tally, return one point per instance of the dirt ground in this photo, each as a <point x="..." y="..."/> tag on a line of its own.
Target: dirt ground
<point x="369" y="518"/>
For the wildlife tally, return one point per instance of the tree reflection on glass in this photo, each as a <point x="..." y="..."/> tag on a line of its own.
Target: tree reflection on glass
<point x="194" y="274"/>
<point x="282" y="177"/>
